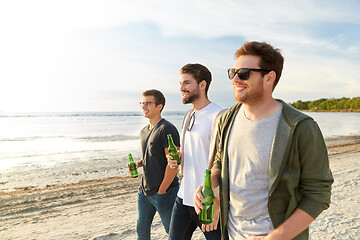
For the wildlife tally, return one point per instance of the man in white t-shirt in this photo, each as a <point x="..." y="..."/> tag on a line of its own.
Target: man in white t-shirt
<point x="195" y="145"/>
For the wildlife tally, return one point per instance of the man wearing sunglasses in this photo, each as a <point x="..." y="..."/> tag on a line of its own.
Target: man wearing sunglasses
<point x="159" y="184"/>
<point x="195" y="143"/>
<point x="272" y="164"/>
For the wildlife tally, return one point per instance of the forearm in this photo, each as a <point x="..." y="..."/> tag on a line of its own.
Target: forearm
<point x="215" y="177"/>
<point x="139" y="163"/>
<point x="292" y="227"/>
<point x="169" y="176"/>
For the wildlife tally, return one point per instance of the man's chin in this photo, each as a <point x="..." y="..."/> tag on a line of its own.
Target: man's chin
<point x="240" y="99"/>
<point x="186" y="101"/>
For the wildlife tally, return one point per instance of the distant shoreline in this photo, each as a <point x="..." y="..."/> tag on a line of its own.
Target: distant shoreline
<point x="334" y="110"/>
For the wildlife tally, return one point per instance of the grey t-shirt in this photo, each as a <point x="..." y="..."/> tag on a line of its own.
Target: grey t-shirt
<point x="249" y="151"/>
<point x="153" y="144"/>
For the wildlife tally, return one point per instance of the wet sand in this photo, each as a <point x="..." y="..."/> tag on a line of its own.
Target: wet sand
<point x="96" y="200"/>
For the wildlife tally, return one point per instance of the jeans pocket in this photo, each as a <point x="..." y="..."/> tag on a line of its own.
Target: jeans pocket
<point x="162" y="197"/>
<point x="168" y="191"/>
<point x="170" y="195"/>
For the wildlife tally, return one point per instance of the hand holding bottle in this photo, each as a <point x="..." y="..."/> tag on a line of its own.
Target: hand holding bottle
<point x="199" y="206"/>
<point x="171" y="162"/>
<point x="132" y="167"/>
<point x="207" y="212"/>
<point x="213" y="226"/>
<point x="198" y="198"/>
<point x="139" y="164"/>
<point x="173" y="150"/>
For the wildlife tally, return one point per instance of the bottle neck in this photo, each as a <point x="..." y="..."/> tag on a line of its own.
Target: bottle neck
<point x="170" y="140"/>
<point x="207" y="182"/>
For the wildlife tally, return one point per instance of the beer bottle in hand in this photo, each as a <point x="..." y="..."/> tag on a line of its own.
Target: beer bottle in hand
<point x="207" y="213"/>
<point x="173" y="152"/>
<point x="132" y="166"/>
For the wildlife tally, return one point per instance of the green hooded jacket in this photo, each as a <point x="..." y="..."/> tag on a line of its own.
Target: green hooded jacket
<point x="299" y="173"/>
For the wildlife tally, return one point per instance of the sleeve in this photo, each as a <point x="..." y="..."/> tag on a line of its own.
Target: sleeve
<point x="316" y="177"/>
<point x="224" y="120"/>
<point x="214" y="142"/>
<point x="218" y="155"/>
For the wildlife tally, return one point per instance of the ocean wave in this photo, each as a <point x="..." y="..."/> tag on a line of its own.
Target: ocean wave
<point x="80" y="114"/>
<point x="108" y="138"/>
<point x="23" y="139"/>
<point x="70" y="114"/>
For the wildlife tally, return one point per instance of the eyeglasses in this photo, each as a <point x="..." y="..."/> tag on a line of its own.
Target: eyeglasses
<point x="145" y="103"/>
<point x="191" y="121"/>
<point x="243" y="73"/>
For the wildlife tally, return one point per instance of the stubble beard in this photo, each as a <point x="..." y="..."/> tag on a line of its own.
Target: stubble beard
<point x="250" y="97"/>
<point x="191" y="98"/>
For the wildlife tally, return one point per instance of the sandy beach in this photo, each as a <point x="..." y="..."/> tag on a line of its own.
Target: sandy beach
<point x="97" y="200"/>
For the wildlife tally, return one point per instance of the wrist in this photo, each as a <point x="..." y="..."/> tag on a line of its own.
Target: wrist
<point x="139" y="164"/>
<point x="274" y="235"/>
<point x="161" y="191"/>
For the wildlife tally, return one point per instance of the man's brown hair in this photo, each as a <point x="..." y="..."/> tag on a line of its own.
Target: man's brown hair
<point x="199" y="72"/>
<point x="271" y="58"/>
<point x="159" y="97"/>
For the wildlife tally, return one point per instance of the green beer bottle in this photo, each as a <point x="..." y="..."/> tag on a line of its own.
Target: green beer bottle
<point x="173" y="152"/>
<point x="132" y="165"/>
<point x="207" y="213"/>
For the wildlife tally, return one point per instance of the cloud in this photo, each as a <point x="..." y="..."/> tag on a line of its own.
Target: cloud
<point x="318" y="77"/>
<point x="71" y="54"/>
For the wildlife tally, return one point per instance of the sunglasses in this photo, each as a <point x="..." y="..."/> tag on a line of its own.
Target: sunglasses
<point x="244" y="73"/>
<point x="191" y="121"/>
<point x="145" y="103"/>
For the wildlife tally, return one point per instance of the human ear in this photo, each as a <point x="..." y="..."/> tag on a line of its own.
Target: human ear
<point x="203" y="84"/>
<point x="270" y="77"/>
<point x="159" y="106"/>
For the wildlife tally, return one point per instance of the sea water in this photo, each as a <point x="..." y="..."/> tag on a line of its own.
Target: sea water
<point x="337" y="124"/>
<point x="51" y="138"/>
<point x="45" y="139"/>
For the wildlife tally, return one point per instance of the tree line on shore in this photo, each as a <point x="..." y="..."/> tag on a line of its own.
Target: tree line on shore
<point x="331" y="104"/>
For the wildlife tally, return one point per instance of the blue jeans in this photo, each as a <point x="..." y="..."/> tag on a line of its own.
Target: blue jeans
<point x="184" y="222"/>
<point x="147" y="207"/>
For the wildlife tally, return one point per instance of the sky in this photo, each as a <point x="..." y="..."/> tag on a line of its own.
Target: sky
<point x="65" y="56"/>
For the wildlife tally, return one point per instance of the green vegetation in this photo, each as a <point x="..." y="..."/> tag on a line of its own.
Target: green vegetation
<point x="331" y="104"/>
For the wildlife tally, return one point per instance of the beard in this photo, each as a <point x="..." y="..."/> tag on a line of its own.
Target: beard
<point x="251" y="96"/>
<point x="191" y="98"/>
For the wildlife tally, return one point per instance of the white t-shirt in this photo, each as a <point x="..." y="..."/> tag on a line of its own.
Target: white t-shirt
<point x="196" y="152"/>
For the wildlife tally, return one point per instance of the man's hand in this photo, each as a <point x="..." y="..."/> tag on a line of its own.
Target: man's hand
<point x="138" y="165"/>
<point x="295" y="224"/>
<point x="172" y="163"/>
<point x="160" y="192"/>
<point x="198" y="197"/>
<point x="213" y="226"/>
<point x="257" y="238"/>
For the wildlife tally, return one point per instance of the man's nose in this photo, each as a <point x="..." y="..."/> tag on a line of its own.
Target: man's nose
<point x="182" y="87"/>
<point x="236" y="79"/>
